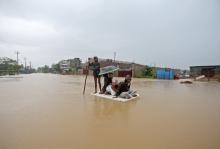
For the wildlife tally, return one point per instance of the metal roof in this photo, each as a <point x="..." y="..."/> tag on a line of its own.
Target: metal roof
<point x="206" y="66"/>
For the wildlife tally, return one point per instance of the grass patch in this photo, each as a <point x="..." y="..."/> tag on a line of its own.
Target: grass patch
<point x="218" y="78"/>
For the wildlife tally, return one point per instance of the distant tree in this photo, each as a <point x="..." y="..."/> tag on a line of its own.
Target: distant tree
<point x="148" y="72"/>
<point x="8" y="66"/>
<point x="39" y="70"/>
<point x="75" y="64"/>
<point x="55" y="68"/>
<point x="44" y="69"/>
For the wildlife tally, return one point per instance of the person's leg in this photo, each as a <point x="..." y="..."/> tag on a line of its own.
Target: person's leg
<point x="113" y="93"/>
<point x="104" y="86"/>
<point x="95" y="80"/>
<point x="103" y="89"/>
<point x="99" y="81"/>
<point x="108" y="89"/>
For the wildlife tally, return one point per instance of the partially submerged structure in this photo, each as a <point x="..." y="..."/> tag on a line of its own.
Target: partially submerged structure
<point x="208" y="71"/>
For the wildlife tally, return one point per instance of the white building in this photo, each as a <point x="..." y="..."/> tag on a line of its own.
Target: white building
<point x="64" y="65"/>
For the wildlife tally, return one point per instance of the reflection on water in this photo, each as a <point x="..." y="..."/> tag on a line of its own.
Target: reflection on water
<point x="49" y="111"/>
<point x="105" y="109"/>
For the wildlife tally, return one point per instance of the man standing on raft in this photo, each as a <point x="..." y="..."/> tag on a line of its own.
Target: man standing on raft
<point x="95" y="66"/>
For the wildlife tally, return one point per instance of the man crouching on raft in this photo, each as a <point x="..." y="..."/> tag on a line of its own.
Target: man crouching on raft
<point x="123" y="90"/>
<point x="107" y="81"/>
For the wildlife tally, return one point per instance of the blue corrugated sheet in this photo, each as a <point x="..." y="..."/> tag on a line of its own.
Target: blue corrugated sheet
<point x="166" y="74"/>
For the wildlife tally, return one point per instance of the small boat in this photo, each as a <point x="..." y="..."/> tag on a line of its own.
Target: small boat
<point x="110" y="97"/>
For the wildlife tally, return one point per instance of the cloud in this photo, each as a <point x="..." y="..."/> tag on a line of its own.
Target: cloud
<point x="169" y="33"/>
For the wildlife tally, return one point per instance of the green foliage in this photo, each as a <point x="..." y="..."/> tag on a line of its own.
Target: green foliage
<point x="218" y="78"/>
<point x="8" y="66"/>
<point x="55" y="68"/>
<point x="72" y="70"/>
<point x="148" y="72"/>
<point x="44" y="69"/>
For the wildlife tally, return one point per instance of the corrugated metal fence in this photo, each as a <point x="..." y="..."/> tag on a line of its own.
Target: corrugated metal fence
<point x="166" y="74"/>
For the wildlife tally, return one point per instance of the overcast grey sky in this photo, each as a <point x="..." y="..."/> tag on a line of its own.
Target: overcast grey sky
<point x="169" y="33"/>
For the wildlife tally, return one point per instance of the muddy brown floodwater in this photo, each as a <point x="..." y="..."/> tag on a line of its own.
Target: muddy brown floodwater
<point x="47" y="111"/>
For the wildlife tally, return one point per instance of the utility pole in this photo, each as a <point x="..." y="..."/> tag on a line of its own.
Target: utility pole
<point x="114" y="56"/>
<point x="114" y="59"/>
<point x="30" y="65"/>
<point x="17" y="53"/>
<point x="25" y="63"/>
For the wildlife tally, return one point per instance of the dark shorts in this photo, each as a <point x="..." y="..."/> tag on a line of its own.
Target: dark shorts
<point x="96" y="74"/>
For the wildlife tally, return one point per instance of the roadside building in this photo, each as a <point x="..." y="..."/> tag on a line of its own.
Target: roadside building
<point x="70" y="66"/>
<point x="209" y="71"/>
<point x="125" y="68"/>
<point x="64" y="66"/>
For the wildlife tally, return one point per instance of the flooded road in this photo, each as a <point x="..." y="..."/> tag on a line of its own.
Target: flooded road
<point x="47" y="111"/>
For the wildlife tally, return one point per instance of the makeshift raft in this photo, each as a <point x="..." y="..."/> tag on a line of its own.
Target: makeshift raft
<point x="110" y="97"/>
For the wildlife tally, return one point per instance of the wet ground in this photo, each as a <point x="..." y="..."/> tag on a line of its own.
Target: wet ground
<point x="46" y="111"/>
